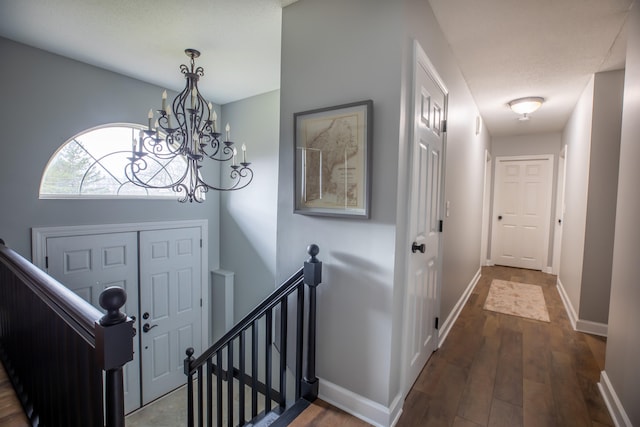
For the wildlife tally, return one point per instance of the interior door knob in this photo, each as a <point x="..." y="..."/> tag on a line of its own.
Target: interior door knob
<point x="415" y="247"/>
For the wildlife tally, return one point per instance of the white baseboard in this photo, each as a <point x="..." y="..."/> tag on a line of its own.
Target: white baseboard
<point x="453" y="316"/>
<point x="573" y="317"/>
<point x="489" y="263"/>
<point x="578" y="324"/>
<point x="548" y="269"/>
<point x="593" y="328"/>
<point x="359" y="406"/>
<point x="618" y="414"/>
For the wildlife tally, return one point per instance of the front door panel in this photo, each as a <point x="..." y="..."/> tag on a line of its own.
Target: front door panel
<point x="170" y="305"/>
<point x="90" y="263"/>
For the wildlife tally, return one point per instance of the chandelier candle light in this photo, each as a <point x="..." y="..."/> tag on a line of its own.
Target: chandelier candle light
<point x="194" y="138"/>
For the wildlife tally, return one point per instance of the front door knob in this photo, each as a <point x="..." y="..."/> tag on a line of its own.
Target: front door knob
<point x="147" y="327"/>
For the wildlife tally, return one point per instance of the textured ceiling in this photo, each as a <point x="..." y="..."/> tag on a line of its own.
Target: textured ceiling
<point x="506" y="49"/>
<point x="510" y="49"/>
<point x="145" y="39"/>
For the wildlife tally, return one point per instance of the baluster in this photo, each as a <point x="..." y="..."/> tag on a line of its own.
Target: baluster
<point x="254" y="369"/>
<point x="299" y="339"/>
<point x="187" y="370"/>
<point x="210" y="392"/>
<point x="200" y="397"/>
<point x="219" y="406"/>
<point x="230" y="384"/>
<point x="241" y="387"/>
<point x="268" y="359"/>
<point x="283" y="351"/>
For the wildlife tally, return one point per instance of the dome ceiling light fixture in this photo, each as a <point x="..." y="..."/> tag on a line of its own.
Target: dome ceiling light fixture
<point x="526" y="106"/>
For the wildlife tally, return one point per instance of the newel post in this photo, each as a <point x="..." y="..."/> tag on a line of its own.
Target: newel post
<point x="114" y="348"/>
<point x="312" y="277"/>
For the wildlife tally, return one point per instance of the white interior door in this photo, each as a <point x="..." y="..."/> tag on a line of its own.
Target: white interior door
<point x="90" y="263"/>
<point x="170" y="306"/>
<point x="522" y="211"/>
<point x="423" y="278"/>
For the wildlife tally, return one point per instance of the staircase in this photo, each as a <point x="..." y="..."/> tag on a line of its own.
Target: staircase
<point x="261" y="372"/>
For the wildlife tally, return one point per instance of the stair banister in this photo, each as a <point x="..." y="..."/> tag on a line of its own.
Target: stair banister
<point x="53" y="340"/>
<point x="306" y="386"/>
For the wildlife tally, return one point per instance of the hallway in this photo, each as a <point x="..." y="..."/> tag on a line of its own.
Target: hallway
<point x="500" y="370"/>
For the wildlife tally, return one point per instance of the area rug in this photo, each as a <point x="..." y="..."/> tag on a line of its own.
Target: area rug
<point x="517" y="299"/>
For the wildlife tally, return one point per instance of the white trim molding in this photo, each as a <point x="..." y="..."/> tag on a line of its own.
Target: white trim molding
<point x="593" y="328"/>
<point x="453" y="316"/>
<point x="616" y="410"/>
<point x="573" y="317"/>
<point x="359" y="406"/>
<point x="586" y="326"/>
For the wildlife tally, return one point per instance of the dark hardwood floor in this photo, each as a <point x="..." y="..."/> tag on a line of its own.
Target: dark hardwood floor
<point x="501" y="370"/>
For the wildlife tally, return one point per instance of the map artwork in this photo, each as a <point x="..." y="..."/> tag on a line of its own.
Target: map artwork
<point x="333" y="161"/>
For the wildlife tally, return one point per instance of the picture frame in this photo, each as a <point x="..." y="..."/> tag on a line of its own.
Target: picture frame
<point x="332" y="165"/>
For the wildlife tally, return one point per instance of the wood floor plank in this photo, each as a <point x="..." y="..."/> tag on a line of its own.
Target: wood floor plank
<point x="538" y="405"/>
<point x="570" y="406"/>
<point x="504" y="414"/>
<point x="508" y="386"/>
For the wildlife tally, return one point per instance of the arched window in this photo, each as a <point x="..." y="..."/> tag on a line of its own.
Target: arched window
<point x="92" y="165"/>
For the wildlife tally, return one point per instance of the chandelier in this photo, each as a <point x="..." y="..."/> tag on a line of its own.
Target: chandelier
<point x="191" y="135"/>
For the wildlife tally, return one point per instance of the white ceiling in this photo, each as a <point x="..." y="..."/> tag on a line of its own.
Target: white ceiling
<point x="506" y="48"/>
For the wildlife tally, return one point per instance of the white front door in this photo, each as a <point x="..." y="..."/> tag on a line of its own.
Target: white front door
<point x="87" y="265"/>
<point x="170" y="306"/>
<point x="423" y="278"/>
<point x="521" y="209"/>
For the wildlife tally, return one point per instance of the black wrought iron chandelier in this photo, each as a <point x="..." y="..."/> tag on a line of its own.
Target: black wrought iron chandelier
<point x="191" y="135"/>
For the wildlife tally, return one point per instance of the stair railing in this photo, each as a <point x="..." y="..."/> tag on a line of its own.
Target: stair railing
<point x="226" y="360"/>
<point x="56" y="346"/>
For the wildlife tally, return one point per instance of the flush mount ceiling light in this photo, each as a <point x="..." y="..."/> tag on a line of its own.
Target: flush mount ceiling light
<point x="526" y="106"/>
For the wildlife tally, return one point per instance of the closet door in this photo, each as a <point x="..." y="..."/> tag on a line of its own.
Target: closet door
<point x="170" y="306"/>
<point x="90" y="263"/>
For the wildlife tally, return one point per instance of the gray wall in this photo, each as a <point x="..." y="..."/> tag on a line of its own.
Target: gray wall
<point x="332" y="53"/>
<point x="248" y="217"/>
<point x="623" y="343"/>
<point x="601" y="201"/>
<point x="47" y="99"/>
<point x="577" y="137"/>
<point x="336" y="52"/>
<point x="593" y="139"/>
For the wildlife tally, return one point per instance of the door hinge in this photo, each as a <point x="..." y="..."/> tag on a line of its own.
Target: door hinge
<point x="444" y="126"/>
<point x="440" y="225"/>
<point x="200" y="302"/>
<point x="437" y="321"/>
<point x="201" y="243"/>
<point x="46" y="262"/>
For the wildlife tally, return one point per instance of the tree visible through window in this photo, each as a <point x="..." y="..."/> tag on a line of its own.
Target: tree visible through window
<point x="92" y="165"/>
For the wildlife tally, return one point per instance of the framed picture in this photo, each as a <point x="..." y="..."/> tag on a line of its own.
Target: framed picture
<point x="333" y="160"/>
